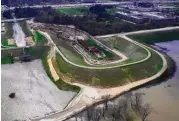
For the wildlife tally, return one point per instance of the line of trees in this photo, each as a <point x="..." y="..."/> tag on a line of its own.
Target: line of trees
<point x="96" y="22"/>
<point x="127" y="109"/>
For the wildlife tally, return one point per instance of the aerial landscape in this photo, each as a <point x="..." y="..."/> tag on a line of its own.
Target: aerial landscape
<point x="89" y="60"/>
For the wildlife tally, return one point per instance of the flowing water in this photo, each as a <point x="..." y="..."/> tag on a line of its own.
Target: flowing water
<point x="19" y="35"/>
<point x="164" y="97"/>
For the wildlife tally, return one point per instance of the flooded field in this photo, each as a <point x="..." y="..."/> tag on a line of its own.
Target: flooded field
<point x="164" y="97"/>
<point x="36" y="95"/>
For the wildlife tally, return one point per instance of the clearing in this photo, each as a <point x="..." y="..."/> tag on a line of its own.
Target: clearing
<point x="73" y="11"/>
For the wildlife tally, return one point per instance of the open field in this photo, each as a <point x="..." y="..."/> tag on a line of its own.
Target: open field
<point x="154" y="37"/>
<point x="72" y="11"/>
<point x="74" y="57"/>
<point x="36" y="95"/>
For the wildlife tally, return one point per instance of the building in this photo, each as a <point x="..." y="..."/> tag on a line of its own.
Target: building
<point x="88" y="1"/>
<point x="156" y="18"/>
<point x="133" y="17"/>
<point x="160" y="18"/>
<point x="25" y="58"/>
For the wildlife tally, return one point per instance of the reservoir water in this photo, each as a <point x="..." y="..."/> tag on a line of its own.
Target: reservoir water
<point x="164" y="97"/>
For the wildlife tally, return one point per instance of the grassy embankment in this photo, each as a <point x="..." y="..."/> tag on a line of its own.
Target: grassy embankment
<point x="74" y="56"/>
<point x="114" y="76"/>
<point x="154" y="37"/>
<point x="120" y="76"/>
<point x="40" y="39"/>
<point x="131" y="50"/>
<point x="67" y="50"/>
<point x="59" y="83"/>
<point x="73" y="11"/>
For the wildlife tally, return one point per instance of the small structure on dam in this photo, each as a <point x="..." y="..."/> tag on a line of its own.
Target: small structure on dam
<point x="26" y="58"/>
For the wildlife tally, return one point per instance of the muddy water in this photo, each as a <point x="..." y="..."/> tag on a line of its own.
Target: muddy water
<point x="19" y="35"/>
<point x="164" y="97"/>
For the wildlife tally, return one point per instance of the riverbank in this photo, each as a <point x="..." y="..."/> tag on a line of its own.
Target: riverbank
<point x="163" y="96"/>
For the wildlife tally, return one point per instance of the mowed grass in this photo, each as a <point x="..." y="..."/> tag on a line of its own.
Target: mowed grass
<point x="40" y="39"/>
<point x="73" y="11"/>
<point x="73" y="57"/>
<point x="154" y="37"/>
<point x="67" y="50"/>
<point x="131" y="50"/>
<point x="111" y="77"/>
<point x="59" y="83"/>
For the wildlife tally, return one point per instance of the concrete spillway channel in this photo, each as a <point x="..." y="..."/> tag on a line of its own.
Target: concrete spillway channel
<point x="18" y="35"/>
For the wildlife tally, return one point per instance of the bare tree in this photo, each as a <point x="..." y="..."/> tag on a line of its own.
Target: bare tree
<point x="136" y="101"/>
<point x="145" y="111"/>
<point x="89" y="113"/>
<point x="115" y="113"/>
<point x="96" y="114"/>
<point x="106" y="99"/>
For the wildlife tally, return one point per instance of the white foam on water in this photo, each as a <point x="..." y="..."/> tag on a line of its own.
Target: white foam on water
<point x="19" y="35"/>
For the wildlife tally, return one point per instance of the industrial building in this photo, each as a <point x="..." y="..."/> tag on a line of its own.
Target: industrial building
<point x="88" y="1"/>
<point x="147" y="17"/>
<point x="135" y="18"/>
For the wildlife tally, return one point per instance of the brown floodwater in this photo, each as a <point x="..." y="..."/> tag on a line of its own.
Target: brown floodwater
<point x="164" y="97"/>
